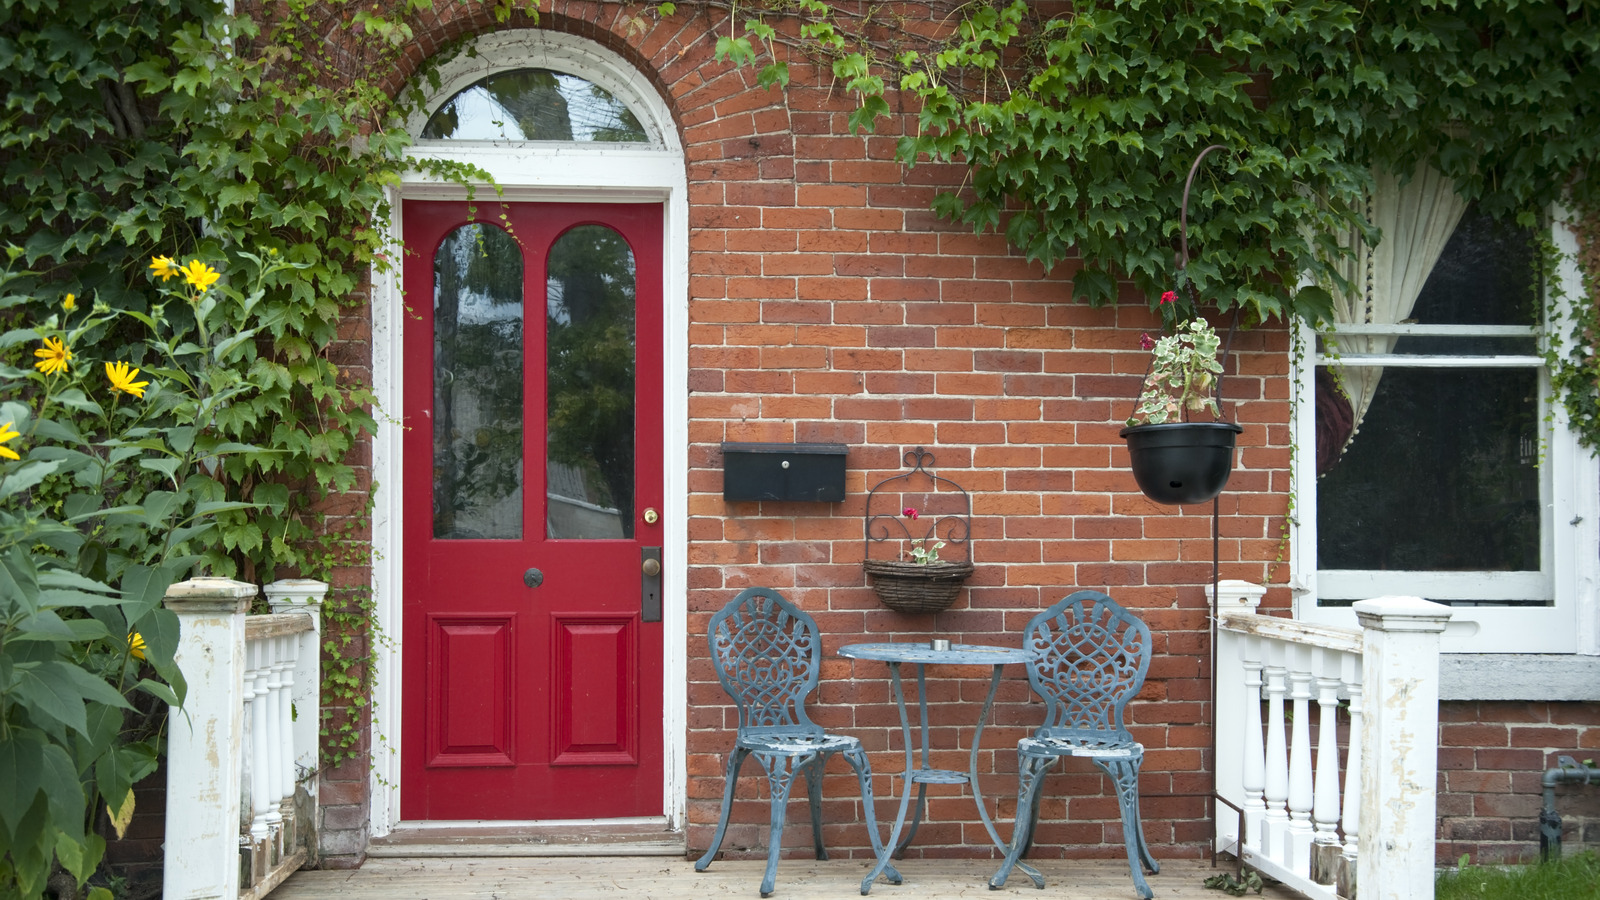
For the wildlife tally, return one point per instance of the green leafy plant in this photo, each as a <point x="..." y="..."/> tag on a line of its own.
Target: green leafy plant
<point x="109" y="492"/>
<point x="923" y="551"/>
<point x="1569" y="878"/>
<point x="266" y="150"/>
<point x="1183" y="374"/>
<point x="1236" y="885"/>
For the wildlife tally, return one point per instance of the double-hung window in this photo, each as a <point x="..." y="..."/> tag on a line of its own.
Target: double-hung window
<point x="1432" y="460"/>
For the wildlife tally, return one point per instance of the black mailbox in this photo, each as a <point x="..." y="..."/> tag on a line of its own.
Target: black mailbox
<point x="756" y="471"/>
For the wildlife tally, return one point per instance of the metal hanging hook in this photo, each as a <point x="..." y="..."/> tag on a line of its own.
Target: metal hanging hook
<point x="1183" y="209"/>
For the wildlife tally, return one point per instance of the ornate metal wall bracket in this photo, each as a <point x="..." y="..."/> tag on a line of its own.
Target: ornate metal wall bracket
<point x="901" y="582"/>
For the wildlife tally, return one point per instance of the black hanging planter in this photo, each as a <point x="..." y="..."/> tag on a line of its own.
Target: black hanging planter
<point x="1182" y="462"/>
<point x="1185" y="462"/>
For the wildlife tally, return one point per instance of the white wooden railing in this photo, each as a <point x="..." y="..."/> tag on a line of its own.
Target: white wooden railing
<point x="1290" y="817"/>
<point x="242" y="751"/>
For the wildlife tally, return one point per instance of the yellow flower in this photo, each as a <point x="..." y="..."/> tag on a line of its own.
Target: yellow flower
<point x="7" y="432"/>
<point x="164" y="267"/>
<point x="199" y="274"/>
<point x="53" y="356"/>
<point x="123" y="380"/>
<point x="136" y="644"/>
<point x="70" y="302"/>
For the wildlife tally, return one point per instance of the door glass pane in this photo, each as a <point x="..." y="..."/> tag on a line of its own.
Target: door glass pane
<point x="477" y="385"/>
<point x="591" y="370"/>
<point x="535" y="105"/>
<point x="1441" y="476"/>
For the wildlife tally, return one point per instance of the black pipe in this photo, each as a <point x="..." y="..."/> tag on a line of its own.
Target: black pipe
<point x="1567" y="771"/>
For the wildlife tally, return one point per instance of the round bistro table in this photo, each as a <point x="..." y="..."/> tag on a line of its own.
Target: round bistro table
<point x="922" y="655"/>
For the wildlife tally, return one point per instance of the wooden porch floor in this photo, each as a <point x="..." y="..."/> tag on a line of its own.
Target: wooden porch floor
<point x="656" y="878"/>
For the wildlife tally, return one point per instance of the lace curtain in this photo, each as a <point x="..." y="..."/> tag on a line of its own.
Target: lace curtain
<point x="1417" y="219"/>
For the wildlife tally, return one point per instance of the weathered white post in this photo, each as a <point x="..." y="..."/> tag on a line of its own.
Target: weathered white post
<point x="1400" y="735"/>
<point x="1240" y="776"/>
<point x="203" y="765"/>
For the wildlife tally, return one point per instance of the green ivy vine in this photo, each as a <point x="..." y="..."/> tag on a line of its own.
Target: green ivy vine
<point x="1078" y="124"/>
<point x="257" y="153"/>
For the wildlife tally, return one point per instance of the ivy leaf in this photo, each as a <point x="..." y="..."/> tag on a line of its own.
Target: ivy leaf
<point x="774" y="74"/>
<point x="737" y="50"/>
<point x="865" y="118"/>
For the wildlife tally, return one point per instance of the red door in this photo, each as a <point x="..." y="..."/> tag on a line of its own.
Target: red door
<point x="532" y="649"/>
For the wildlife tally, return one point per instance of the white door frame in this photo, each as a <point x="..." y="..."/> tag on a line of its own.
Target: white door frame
<point x="548" y="172"/>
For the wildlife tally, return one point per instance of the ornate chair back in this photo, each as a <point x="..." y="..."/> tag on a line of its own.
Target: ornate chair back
<point x="768" y="654"/>
<point x="1094" y="657"/>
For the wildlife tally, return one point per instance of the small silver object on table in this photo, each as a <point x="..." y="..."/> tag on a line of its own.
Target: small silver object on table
<point x="938" y="652"/>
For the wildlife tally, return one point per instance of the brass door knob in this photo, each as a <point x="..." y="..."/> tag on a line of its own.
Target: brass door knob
<point x="651" y="516"/>
<point x="652" y="567"/>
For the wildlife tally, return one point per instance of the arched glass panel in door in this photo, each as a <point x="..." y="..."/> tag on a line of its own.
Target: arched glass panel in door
<point x="535" y="105"/>
<point x="477" y="385"/>
<point x="590" y="343"/>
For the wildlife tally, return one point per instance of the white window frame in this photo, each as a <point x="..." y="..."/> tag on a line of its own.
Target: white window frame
<point x="1570" y="494"/>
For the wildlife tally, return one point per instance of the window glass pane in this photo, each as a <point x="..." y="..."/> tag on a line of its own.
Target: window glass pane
<point x="1439" y="476"/>
<point x="1431" y="345"/>
<point x="1332" y="346"/>
<point x="591" y="379"/>
<point x="535" y="105"/>
<point x="477" y="385"/>
<point x="1485" y="276"/>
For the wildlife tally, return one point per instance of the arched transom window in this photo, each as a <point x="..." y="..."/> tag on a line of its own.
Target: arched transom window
<point x="535" y="105"/>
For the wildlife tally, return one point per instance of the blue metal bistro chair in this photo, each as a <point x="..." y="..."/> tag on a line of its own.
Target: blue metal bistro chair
<point x="1093" y="658"/>
<point x="767" y="653"/>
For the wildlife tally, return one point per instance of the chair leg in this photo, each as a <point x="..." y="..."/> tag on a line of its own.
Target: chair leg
<point x="1033" y="824"/>
<point x="735" y="763"/>
<point x="1030" y="778"/>
<point x="857" y="758"/>
<point x="781" y="771"/>
<point x="1125" y="776"/>
<point x="813" y="773"/>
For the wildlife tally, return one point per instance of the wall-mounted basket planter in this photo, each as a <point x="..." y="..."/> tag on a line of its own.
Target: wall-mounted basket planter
<point x="944" y="513"/>
<point x="912" y="588"/>
<point x="1182" y="462"/>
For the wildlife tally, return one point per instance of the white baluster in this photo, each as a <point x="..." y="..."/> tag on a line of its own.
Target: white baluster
<point x="288" y="658"/>
<point x="1351" y="820"/>
<point x="272" y="674"/>
<point x="260" y="767"/>
<point x="1276" y="792"/>
<point x="1298" y="849"/>
<point x="1325" y="808"/>
<point x="1253" y="771"/>
<point x="247" y="772"/>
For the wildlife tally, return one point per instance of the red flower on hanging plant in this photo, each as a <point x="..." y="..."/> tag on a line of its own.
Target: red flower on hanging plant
<point x="909" y="513"/>
<point x="1169" y="297"/>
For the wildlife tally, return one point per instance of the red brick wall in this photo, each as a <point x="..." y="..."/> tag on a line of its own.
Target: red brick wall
<point x="1492" y="757"/>
<point x="828" y="304"/>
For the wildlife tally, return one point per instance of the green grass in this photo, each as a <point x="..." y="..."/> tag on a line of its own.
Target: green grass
<point x="1575" y="877"/>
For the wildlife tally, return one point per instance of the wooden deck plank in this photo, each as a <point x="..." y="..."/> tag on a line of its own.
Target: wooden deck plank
<point x="798" y="879"/>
